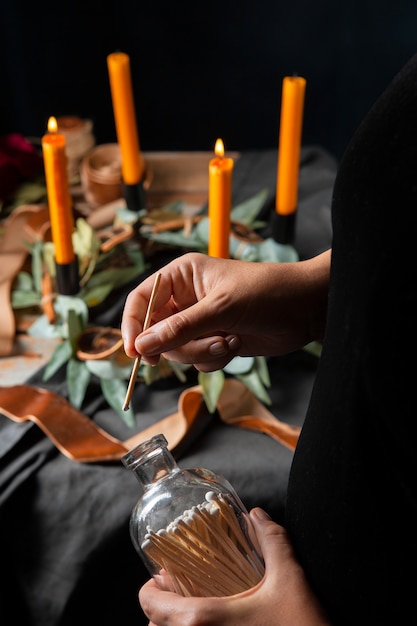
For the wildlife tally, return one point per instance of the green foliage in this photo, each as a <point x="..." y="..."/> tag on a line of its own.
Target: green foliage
<point x="100" y="275"/>
<point x="245" y="213"/>
<point x="251" y="371"/>
<point x="24" y="295"/>
<point x="212" y="385"/>
<point x="78" y="379"/>
<point x="114" y="391"/>
<point x="61" y="355"/>
<point x="28" y="192"/>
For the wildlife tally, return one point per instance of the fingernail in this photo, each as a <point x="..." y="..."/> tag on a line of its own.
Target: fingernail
<point x="218" y="349"/>
<point x="261" y="514"/>
<point x="233" y="343"/>
<point x="146" y="344"/>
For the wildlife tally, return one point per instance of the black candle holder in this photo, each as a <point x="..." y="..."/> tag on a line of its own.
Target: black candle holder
<point x="135" y="196"/>
<point x="67" y="278"/>
<point x="283" y="227"/>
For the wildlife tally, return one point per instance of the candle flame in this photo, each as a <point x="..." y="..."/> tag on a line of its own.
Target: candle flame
<point x="52" y="125"/>
<point x="219" y="148"/>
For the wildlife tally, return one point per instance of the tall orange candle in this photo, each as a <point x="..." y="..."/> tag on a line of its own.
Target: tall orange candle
<point x="289" y="147"/>
<point x="220" y="202"/>
<point x="118" y="65"/>
<point x="59" y="202"/>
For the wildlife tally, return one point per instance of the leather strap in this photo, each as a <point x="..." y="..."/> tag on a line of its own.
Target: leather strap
<point x="77" y="436"/>
<point x="81" y="440"/>
<point x="22" y="227"/>
<point x="237" y="406"/>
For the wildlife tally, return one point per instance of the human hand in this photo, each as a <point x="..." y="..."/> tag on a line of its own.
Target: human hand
<point x="282" y="598"/>
<point x="208" y="310"/>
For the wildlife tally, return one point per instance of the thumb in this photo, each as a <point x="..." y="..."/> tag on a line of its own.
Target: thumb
<point x="284" y="577"/>
<point x="273" y="539"/>
<point x="179" y="328"/>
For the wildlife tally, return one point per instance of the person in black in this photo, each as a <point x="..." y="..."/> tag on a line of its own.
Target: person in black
<point x="349" y="547"/>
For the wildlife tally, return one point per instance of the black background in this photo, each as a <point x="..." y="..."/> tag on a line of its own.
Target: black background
<point x="202" y="70"/>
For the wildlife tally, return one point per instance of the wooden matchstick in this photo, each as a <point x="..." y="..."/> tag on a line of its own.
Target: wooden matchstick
<point x="194" y="564"/>
<point x="146" y="324"/>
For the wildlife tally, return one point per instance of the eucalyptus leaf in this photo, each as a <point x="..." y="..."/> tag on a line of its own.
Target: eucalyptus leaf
<point x="137" y="258"/>
<point x="75" y="327"/>
<point x="42" y="328"/>
<point x="23" y="282"/>
<point x="60" y="356"/>
<point x="114" y="391"/>
<point x="174" y="207"/>
<point x="149" y="373"/>
<point x="261" y="366"/>
<point x="212" y="385"/>
<point x="239" y="365"/>
<point x="126" y="274"/>
<point x="84" y="239"/>
<point x="201" y="232"/>
<point x="24" y="299"/>
<point x="242" y="251"/>
<point x="127" y="216"/>
<point x="78" y="378"/>
<point x="253" y="382"/>
<point x="113" y="277"/>
<point x="177" y="238"/>
<point x="247" y="211"/>
<point x="28" y="192"/>
<point x="63" y="304"/>
<point x="49" y="257"/>
<point x="273" y="252"/>
<point x="258" y="224"/>
<point x="314" y="347"/>
<point x="96" y="295"/>
<point x="102" y="283"/>
<point x="107" y="369"/>
<point x="37" y="265"/>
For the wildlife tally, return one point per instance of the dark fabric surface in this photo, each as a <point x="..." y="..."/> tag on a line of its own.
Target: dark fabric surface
<point x="352" y="506"/>
<point x="66" y="551"/>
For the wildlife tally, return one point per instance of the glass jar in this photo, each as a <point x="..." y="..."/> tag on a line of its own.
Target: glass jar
<point x="190" y="527"/>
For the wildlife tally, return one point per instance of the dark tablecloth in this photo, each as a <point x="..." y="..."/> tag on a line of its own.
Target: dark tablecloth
<point x="66" y="554"/>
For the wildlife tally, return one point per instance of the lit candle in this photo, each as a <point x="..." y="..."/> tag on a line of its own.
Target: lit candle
<point x="118" y="64"/>
<point x="59" y="202"/>
<point x="292" y="106"/>
<point x="220" y="202"/>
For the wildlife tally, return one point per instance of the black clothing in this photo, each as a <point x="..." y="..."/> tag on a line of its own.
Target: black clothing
<point x="352" y="498"/>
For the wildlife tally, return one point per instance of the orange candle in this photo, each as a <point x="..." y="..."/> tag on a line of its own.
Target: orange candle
<point x="59" y="201"/>
<point x="291" y="121"/>
<point x="220" y="202"/>
<point x="118" y="64"/>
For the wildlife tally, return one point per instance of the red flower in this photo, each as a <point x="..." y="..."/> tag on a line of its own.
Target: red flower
<point x="19" y="161"/>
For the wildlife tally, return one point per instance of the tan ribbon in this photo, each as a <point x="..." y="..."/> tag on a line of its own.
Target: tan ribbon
<point x="81" y="440"/>
<point x="24" y="226"/>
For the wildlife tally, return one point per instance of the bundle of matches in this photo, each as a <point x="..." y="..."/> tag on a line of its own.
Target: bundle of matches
<point x="205" y="551"/>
